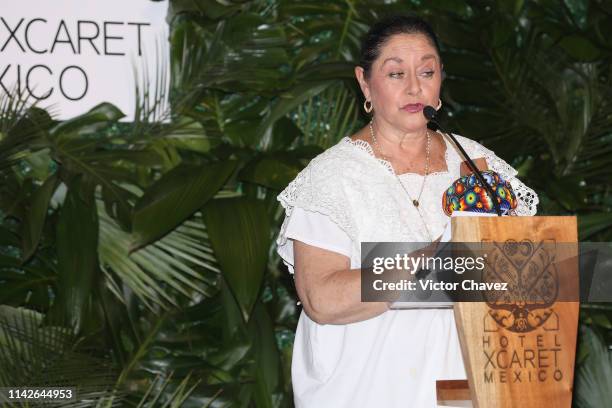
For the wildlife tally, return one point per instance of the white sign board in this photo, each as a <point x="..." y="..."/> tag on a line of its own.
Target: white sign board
<point x="70" y="55"/>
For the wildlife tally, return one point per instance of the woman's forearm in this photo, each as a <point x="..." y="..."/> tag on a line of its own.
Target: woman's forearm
<point x="331" y="292"/>
<point x="337" y="299"/>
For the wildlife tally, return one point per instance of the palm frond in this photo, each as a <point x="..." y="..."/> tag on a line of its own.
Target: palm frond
<point x="181" y="262"/>
<point x="35" y="353"/>
<point x="328" y="116"/>
<point x="22" y="128"/>
<point x="593" y="382"/>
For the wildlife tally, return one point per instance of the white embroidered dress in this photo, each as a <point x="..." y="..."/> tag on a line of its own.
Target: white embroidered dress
<point x="346" y="196"/>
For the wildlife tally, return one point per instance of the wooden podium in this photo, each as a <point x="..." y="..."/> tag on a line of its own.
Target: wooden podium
<point x="519" y="354"/>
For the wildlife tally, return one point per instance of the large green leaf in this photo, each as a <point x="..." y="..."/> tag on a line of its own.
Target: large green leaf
<point x="239" y="232"/>
<point x="174" y="197"/>
<point x="77" y="255"/>
<point x="35" y="217"/>
<point x="191" y="137"/>
<point x="580" y="48"/>
<point x="101" y="113"/>
<point x="267" y="367"/>
<point x="270" y="171"/>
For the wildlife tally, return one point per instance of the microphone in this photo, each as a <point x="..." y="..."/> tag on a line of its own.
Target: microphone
<point x="430" y="113"/>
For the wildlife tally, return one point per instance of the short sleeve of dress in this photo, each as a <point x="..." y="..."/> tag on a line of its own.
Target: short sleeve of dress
<point x="312" y="228"/>
<point x="317" y="206"/>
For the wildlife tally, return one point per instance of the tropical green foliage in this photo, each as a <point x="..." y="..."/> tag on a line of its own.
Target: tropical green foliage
<point x="137" y="259"/>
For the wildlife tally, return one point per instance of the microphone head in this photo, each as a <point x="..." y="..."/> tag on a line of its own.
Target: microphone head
<point x="429" y="112"/>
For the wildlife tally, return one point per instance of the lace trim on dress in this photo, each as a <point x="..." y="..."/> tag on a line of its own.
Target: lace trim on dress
<point x="366" y="147"/>
<point x="527" y="198"/>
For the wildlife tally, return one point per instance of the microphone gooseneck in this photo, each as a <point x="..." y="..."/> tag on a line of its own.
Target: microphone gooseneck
<point x="430" y="113"/>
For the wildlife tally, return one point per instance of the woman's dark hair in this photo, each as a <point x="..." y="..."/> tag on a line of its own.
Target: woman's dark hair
<point x="383" y="29"/>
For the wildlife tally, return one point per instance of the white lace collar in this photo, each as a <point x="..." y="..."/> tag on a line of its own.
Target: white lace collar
<point x="366" y="147"/>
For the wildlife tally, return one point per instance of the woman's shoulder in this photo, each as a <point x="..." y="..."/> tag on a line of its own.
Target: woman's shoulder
<point x="331" y="154"/>
<point x="342" y="167"/>
<point x="321" y="186"/>
<point x="344" y="158"/>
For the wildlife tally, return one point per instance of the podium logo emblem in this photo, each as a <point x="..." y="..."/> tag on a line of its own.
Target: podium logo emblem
<point x="533" y="284"/>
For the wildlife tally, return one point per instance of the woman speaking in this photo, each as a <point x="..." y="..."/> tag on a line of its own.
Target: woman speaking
<point x="384" y="183"/>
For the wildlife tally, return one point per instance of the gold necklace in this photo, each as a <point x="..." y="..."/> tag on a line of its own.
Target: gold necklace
<point x="415" y="202"/>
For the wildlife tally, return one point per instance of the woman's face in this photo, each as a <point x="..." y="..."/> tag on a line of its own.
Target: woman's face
<point x="404" y="79"/>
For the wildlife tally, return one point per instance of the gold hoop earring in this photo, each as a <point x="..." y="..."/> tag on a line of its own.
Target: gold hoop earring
<point x="439" y="104"/>
<point x="367" y="106"/>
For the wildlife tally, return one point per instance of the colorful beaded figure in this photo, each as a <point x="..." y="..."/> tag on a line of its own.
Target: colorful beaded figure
<point x="467" y="194"/>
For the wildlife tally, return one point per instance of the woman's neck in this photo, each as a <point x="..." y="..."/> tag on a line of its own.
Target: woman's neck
<point x="394" y="141"/>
